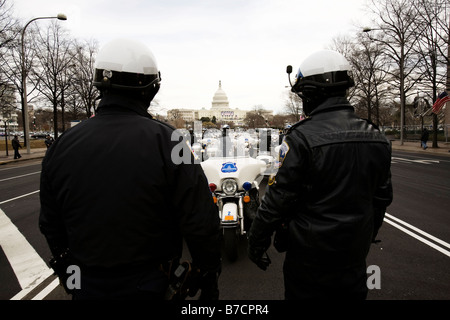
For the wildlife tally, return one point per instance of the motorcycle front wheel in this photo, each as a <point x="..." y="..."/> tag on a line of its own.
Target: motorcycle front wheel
<point x="230" y="243"/>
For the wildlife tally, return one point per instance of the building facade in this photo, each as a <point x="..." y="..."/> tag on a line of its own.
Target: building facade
<point x="220" y="110"/>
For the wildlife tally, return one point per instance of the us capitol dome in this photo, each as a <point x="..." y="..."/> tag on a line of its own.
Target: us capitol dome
<point x="220" y="108"/>
<point x="220" y="99"/>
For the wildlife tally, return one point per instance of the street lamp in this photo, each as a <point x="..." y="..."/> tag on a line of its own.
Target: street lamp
<point x="401" y="76"/>
<point x="26" y="129"/>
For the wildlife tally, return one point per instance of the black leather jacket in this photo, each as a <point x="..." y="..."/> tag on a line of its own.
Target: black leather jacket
<point x="111" y="193"/>
<point x="333" y="186"/>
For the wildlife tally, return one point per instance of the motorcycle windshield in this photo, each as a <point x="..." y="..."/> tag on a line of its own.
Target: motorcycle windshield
<point x="232" y="145"/>
<point x="236" y="155"/>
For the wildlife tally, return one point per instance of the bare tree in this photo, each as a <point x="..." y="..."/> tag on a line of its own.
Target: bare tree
<point x="294" y="106"/>
<point x="83" y="74"/>
<point x="14" y="70"/>
<point x="8" y="25"/>
<point x="256" y="118"/>
<point x="370" y="72"/>
<point x="10" y="57"/>
<point x="433" y="60"/>
<point x="396" y="30"/>
<point x="53" y="51"/>
<point x="280" y="120"/>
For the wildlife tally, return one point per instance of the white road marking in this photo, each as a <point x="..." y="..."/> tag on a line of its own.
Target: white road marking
<point x="17" y="177"/>
<point x="443" y="243"/>
<point x="18" y="167"/>
<point x="47" y="290"/>
<point x="416" y="236"/>
<point x="422" y="161"/>
<point x="22" y="196"/>
<point x="28" y="266"/>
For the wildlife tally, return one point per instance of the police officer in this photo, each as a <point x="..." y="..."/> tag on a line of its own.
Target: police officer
<point x="330" y="192"/>
<point x="113" y="203"/>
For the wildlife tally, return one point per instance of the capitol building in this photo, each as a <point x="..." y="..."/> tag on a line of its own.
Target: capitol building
<point x="220" y="109"/>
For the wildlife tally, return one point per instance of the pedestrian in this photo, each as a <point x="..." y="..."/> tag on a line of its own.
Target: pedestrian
<point x="16" y="146"/>
<point x="113" y="202"/>
<point x="424" y="138"/>
<point x="48" y="141"/>
<point x="328" y="198"/>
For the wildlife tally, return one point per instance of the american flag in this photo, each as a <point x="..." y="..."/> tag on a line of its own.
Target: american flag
<point x="440" y="101"/>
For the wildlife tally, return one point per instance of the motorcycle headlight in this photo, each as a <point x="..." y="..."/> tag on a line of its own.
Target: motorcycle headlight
<point x="229" y="186"/>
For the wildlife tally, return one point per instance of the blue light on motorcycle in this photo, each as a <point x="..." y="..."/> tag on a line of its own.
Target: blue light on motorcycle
<point x="247" y="186"/>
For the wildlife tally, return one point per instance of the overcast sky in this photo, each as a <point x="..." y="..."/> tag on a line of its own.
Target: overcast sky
<point x="246" y="44"/>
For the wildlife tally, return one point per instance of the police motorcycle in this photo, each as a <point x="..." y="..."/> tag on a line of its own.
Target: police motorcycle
<point x="234" y="178"/>
<point x="209" y="143"/>
<point x="268" y="149"/>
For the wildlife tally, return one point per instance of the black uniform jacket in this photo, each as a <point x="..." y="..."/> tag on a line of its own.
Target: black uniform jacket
<point x="333" y="186"/>
<point x="111" y="193"/>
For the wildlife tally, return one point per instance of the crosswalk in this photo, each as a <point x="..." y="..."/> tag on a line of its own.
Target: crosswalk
<point x="26" y="263"/>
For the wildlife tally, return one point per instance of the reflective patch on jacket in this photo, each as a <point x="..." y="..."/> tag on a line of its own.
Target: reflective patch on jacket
<point x="284" y="149"/>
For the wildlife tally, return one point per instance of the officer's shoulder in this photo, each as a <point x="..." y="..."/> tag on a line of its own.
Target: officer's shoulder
<point x="163" y="124"/>
<point x="298" y="124"/>
<point x="371" y="123"/>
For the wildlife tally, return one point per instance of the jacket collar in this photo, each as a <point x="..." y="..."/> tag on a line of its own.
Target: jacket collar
<point x="114" y="101"/>
<point x="333" y="104"/>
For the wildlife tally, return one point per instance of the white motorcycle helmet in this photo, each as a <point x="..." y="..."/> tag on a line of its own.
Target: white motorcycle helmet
<point x="323" y="74"/>
<point x="127" y="65"/>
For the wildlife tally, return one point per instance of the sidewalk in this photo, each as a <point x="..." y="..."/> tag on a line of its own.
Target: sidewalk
<point x="37" y="153"/>
<point x="408" y="146"/>
<point x="414" y="146"/>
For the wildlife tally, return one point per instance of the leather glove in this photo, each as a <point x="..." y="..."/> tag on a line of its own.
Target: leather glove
<point x="260" y="257"/>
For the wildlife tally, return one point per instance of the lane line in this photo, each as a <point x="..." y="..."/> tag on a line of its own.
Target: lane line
<point x="46" y="291"/>
<point x="22" y="196"/>
<point x="26" y="263"/>
<point x="21" y="166"/>
<point x="427" y="242"/>
<point x="17" y="177"/>
<point x="442" y="243"/>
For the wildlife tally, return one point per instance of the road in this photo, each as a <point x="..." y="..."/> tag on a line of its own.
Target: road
<point x="413" y="256"/>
